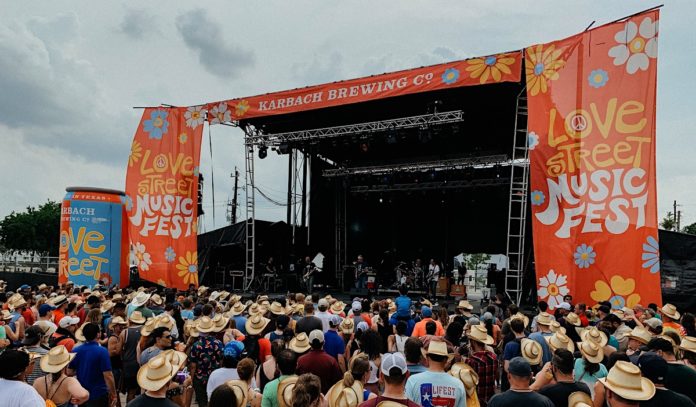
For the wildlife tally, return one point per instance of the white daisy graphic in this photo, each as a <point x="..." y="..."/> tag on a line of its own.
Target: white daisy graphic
<point x="194" y="116"/>
<point x="220" y="114"/>
<point x="142" y="257"/>
<point x="553" y="287"/>
<point x="636" y="45"/>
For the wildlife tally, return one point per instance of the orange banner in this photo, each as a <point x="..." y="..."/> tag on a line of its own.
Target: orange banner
<point x="592" y="151"/>
<point x="491" y="69"/>
<point x="162" y="195"/>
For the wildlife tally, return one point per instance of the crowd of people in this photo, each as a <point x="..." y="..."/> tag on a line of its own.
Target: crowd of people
<point x="68" y="345"/>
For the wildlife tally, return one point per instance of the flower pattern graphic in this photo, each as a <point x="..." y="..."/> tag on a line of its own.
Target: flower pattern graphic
<point x="450" y="76"/>
<point x="584" y="256"/>
<point x="538" y="198"/>
<point x="183" y="138"/>
<point x="188" y="268"/>
<point x="142" y="257"/>
<point x="220" y="114"/>
<point x="491" y="67"/>
<point x="161" y="282"/>
<point x="135" y="154"/>
<point x="598" y="78"/>
<point x="553" y="287"/>
<point x="169" y="254"/>
<point x="241" y="108"/>
<point x="157" y="125"/>
<point x="636" y="45"/>
<point x="651" y="255"/>
<point x="542" y="66"/>
<point x="619" y="291"/>
<point x="532" y="140"/>
<point x="194" y="116"/>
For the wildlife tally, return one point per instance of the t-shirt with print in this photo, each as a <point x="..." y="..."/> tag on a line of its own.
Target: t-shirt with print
<point x="435" y="389"/>
<point x="206" y="353"/>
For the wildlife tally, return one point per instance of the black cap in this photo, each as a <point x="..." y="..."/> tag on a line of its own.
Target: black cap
<point x="519" y="367"/>
<point x="32" y="335"/>
<point x="653" y="367"/>
<point x="656" y="344"/>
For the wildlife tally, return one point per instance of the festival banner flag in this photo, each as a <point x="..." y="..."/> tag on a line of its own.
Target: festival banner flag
<point x="592" y="160"/>
<point x="491" y="69"/>
<point x="162" y="195"/>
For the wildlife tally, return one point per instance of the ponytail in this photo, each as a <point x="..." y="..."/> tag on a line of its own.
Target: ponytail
<point x="348" y="379"/>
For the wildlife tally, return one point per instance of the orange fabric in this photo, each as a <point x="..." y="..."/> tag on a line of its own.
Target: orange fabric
<point x="264" y="348"/>
<point x="475" y="71"/>
<point x="57" y="316"/>
<point x="592" y="159"/>
<point x="675" y="327"/>
<point x="67" y="342"/>
<point x="419" y="328"/>
<point x="162" y="189"/>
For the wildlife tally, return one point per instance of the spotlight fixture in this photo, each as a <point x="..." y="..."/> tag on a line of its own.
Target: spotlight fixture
<point x="263" y="152"/>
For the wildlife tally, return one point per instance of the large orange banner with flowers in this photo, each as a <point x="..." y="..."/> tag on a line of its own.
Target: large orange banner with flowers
<point x="505" y="67"/>
<point x="592" y="155"/>
<point x="162" y="194"/>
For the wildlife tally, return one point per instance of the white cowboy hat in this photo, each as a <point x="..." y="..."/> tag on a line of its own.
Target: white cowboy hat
<point x="140" y="299"/>
<point x="573" y="319"/>
<point x="640" y="334"/>
<point x="276" y="308"/>
<point x="625" y="380"/>
<point x="56" y="359"/>
<point x="544" y="318"/>
<point x="688" y="344"/>
<point x="220" y="322"/>
<point x="341" y="396"/>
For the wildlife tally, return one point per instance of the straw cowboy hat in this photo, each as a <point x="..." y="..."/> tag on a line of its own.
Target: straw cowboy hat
<point x="256" y="309"/>
<point x="58" y="300"/>
<point x="201" y="290"/>
<point x="464" y="304"/>
<point x="176" y="358"/>
<point x="56" y="359"/>
<point x="117" y="320"/>
<point x="214" y="296"/>
<point x="6" y="315"/>
<point x="298" y="309"/>
<point x="156" y="299"/>
<point x="277" y="309"/>
<point x="625" y="380"/>
<point x="522" y="317"/>
<point x="591" y="351"/>
<point x="560" y="341"/>
<point x="479" y="333"/>
<point x="573" y="319"/>
<point x="341" y="396"/>
<point x="16" y="301"/>
<point x="191" y="329"/>
<point x="337" y="307"/>
<point x="224" y="294"/>
<point x="156" y="373"/>
<point x="579" y="399"/>
<point x="640" y="334"/>
<point x="205" y="325"/>
<point x="671" y="311"/>
<point x="220" y="322"/>
<point x="237" y="309"/>
<point x="531" y="351"/>
<point x="140" y="299"/>
<point x="300" y="343"/>
<point x="137" y="317"/>
<point x="285" y="390"/>
<point x="595" y="335"/>
<point x="117" y="297"/>
<point x="544" y="318"/>
<point x="240" y="389"/>
<point x="467" y="375"/>
<point x="106" y="306"/>
<point x="347" y="326"/>
<point x="688" y="343"/>
<point x="42" y="286"/>
<point x="79" y="335"/>
<point x="256" y="324"/>
<point x="556" y="327"/>
<point x="149" y="326"/>
<point x="427" y="303"/>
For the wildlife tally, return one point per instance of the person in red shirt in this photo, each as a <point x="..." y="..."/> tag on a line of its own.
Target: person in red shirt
<point x="580" y="309"/>
<point x="320" y="363"/>
<point x="65" y="335"/>
<point x="419" y="329"/>
<point x="27" y="313"/>
<point x="61" y="304"/>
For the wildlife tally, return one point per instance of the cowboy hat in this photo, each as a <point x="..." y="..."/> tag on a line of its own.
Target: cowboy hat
<point x="255" y="309"/>
<point x="640" y="334"/>
<point x="140" y="299"/>
<point x="256" y="324"/>
<point x="58" y="300"/>
<point x="79" y="335"/>
<point x="625" y="380"/>
<point x="237" y="309"/>
<point x="464" y="304"/>
<point x="427" y="303"/>
<point x="42" y="286"/>
<point x="234" y="298"/>
<point x="560" y="341"/>
<point x="220" y="322"/>
<point x="191" y="329"/>
<point x="531" y="351"/>
<point x="591" y="351"/>
<point x="224" y="294"/>
<point x="579" y="399"/>
<point x="240" y="388"/>
<point x="156" y="373"/>
<point x="106" y="306"/>
<point x="347" y="326"/>
<point x="56" y="359"/>
<point x="149" y="326"/>
<point x="201" y="290"/>
<point x="164" y="320"/>
<point x="544" y="318"/>
<point x="117" y="321"/>
<point x="205" y="325"/>
<point x="299" y="343"/>
<point x="438" y="348"/>
<point x="156" y="299"/>
<point x="467" y="375"/>
<point x="337" y="307"/>
<point x="285" y="390"/>
<point x="595" y="335"/>
<point x="277" y="309"/>
<point x="671" y="311"/>
<point x="573" y="319"/>
<point x="521" y="316"/>
<point x="137" y="317"/>
<point x="214" y="296"/>
<point x="556" y="327"/>
<point x="117" y="297"/>
<point x="688" y="343"/>
<point x="341" y="396"/>
<point x="479" y="333"/>
<point x="6" y="315"/>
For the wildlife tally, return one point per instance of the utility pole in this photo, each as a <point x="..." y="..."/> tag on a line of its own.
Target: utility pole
<point x="678" y="221"/>
<point x="675" y="213"/>
<point x="233" y="218"/>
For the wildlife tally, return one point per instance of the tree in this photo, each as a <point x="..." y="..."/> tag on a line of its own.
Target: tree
<point x="36" y="230"/>
<point x="668" y="222"/>
<point x="691" y="229"/>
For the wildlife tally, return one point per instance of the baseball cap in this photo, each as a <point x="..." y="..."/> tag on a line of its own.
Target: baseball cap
<point x="316" y="335"/>
<point x="282" y="321"/>
<point x="564" y="305"/>
<point x="335" y="321"/>
<point x="233" y="349"/>
<point x="323" y="303"/>
<point x="519" y="367"/>
<point x="24" y="287"/>
<point x="32" y="335"/>
<point x="44" y="309"/>
<point x="656" y="344"/>
<point x="67" y="321"/>
<point x="392" y="360"/>
<point x="426" y="311"/>
<point x="653" y="367"/>
<point x="362" y="326"/>
<point x="653" y="322"/>
<point x="356" y="306"/>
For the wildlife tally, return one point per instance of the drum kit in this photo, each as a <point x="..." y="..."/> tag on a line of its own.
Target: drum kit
<point x="409" y="274"/>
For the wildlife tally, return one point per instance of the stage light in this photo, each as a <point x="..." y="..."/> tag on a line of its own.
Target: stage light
<point x="381" y="200"/>
<point x="263" y="152"/>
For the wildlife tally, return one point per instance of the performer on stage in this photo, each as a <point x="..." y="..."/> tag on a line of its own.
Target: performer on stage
<point x="271" y="267"/>
<point x="420" y="274"/>
<point x="433" y="275"/>
<point x="308" y="274"/>
<point x="461" y="271"/>
<point x="360" y="272"/>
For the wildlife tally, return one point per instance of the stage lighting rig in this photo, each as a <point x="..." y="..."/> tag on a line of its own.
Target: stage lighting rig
<point x="263" y="152"/>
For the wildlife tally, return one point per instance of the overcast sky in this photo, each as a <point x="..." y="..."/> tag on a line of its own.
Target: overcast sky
<point x="71" y="71"/>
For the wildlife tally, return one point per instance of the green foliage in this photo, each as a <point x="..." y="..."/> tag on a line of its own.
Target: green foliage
<point x="668" y="222"/>
<point x="36" y="230"/>
<point x="691" y="229"/>
<point x="474" y="260"/>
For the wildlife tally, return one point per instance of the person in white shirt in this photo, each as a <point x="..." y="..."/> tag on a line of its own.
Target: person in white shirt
<point x="230" y="364"/>
<point x="433" y="275"/>
<point x="323" y="314"/>
<point x="14" y="392"/>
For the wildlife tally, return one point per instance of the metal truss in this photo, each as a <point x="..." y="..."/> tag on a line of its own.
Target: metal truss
<point x="452" y="164"/>
<point x="423" y="121"/>
<point x="427" y="186"/>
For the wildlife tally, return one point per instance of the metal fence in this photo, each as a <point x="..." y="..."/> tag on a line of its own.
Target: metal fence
<point x="28" y="264"/>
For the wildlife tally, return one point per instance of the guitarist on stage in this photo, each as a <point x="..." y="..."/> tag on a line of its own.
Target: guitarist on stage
<point x="360" y="272"/>
<point x="308" y="270"/>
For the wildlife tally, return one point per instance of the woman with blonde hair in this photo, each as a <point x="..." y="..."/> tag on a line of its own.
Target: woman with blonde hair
<point x="307" y="392"/>
<point x="355" y="379"/>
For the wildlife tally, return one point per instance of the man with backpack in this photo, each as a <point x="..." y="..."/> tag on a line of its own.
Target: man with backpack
<point x="65" y="334"/>
<point x="513" y="348"/>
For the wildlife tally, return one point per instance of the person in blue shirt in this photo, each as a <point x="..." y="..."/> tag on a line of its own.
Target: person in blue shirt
<point x="333" y="343"/>
<point x="544" y="325"/>
<point x="92" y="367"/>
